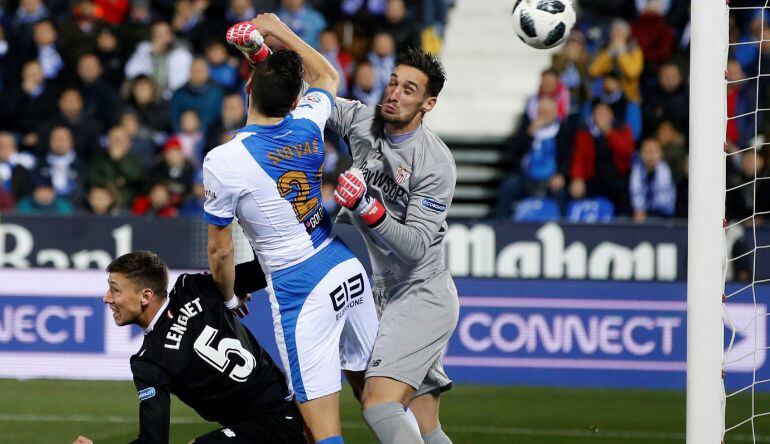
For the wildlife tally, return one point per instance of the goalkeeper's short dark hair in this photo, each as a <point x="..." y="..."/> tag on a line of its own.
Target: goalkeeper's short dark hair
<point x="429" y="64"/>
<point x="276" y="82"/>
<point x="144" y="269"/>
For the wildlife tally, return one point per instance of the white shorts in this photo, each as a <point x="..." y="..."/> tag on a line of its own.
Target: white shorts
<point x="324" y="320"/>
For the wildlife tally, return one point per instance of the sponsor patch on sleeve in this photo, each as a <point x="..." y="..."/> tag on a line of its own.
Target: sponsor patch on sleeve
<point x="146" y="393"/>
<point x="433" y="205"/>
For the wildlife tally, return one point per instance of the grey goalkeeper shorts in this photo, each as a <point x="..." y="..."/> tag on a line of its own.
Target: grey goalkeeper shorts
<point x="417" y="318"/>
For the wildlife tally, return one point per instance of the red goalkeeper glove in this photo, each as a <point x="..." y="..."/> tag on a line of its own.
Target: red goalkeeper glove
<point x="249" y="41"/>
<point x="351" y="194"/>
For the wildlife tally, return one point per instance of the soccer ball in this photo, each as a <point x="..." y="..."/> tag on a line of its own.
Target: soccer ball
<point x="543" y="23"/>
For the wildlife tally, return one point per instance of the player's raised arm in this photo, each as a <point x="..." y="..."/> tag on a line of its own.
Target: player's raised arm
<point x="319" y="73"/>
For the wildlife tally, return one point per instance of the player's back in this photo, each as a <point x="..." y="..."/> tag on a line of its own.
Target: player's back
<point x="200" y="352"/>
<point x="269" y="176"/>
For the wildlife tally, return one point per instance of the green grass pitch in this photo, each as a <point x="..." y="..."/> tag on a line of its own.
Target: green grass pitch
<point x="53" y="411"/>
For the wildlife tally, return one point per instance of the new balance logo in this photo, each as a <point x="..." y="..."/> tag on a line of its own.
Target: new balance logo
<point x="375" y="363"/>
<point x="350" y="289"/>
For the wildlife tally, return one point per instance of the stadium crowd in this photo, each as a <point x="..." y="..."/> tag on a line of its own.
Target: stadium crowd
<point x="609" y="121"/>
<point x="109" y="106"/>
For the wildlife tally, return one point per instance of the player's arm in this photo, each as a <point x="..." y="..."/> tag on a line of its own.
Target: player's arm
<point x="427" y="210"/>
<point x="222" y="192"/>
<point x="319" y="73"/>
<point x="220" y="254"/>
<point x="152" y="385"/>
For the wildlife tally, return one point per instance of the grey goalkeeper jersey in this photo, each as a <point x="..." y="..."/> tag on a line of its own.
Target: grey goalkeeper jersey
<point x="414" y="180"/>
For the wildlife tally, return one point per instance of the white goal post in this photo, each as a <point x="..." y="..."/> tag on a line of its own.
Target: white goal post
<point x="706" y="248"/>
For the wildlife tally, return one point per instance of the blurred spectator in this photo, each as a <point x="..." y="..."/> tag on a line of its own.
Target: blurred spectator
<point x="231" y="119"/>
<point x="137" y="27"/>
<point x="539" y="156"/>
<point x="626" y="112"/>
<point x="223" y="69"/>
<point x="240" y="11"/>
<point x="47" y="54"/>
<point x="157" y="203"/>
<point x="175" y="170"/>
<point x="85" y="129"/>
<point x="117" y="168"/>
<point x="404" y="30"/>
<point x="62" y="165"/>
<point x="28" y="13"/>
<point x="682" y="190"/>
<point x="149" y="107"/>
<point x="99" y="97"/>
<point x="339" y="58"/>
<point x="142" y="144"/>
<point x="191" y="137"/>
<point x="113" y="11"/>
<point x="654" y="35"/>
<point x="193" y="206"/>
<point x="15" y="178"/>
<point x="653" y="191"/>
<point x="23" y="109"/>
<point x="748" y="195"/>
<point x="80" y="31"/>
<point x="189" y="22"/>
<point x="551" y="88"/>
<point x="674" y="149"/>
<point x="7" y="66"/>
<point x="101" y="201"/>
<point x="623" y="56"/>
<point x="748" y="53"/>
<point x="571" y="63"/>
<point x="668" y="100"/>
<point x="44" y="200"/>
<point x="740" y="102"/>
<point x="601" y="159"/>
<point x="305" y="21"/>
<point x="163" y="58"/>
<point x="383" y="58"/>
<point x="199" y="94"/>
<point x="365" y="86"/>
<point x="109" y="50"/>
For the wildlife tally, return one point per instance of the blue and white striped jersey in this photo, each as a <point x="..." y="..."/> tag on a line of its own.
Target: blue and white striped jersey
<point x="269" y="177"/>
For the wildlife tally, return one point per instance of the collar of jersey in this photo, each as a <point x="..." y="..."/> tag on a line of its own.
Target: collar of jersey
<point x="256" y="128"/>
<point x="157" y="315"/>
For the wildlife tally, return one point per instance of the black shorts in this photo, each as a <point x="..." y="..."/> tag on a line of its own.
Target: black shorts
<point x="284" y="427"/>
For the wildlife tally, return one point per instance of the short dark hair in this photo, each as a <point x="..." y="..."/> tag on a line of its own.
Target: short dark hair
<point x="144" y="269"/>
<point x="276" y="82"/>
<point x="430" y="65"/>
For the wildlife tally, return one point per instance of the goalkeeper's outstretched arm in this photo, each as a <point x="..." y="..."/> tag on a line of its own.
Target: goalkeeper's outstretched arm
<point x="319" y="73"/>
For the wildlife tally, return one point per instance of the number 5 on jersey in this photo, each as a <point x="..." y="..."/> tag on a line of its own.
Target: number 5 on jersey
<point x="219" y="357"/>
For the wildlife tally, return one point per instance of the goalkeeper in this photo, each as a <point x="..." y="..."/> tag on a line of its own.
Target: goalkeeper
<point x="398" y="196"/>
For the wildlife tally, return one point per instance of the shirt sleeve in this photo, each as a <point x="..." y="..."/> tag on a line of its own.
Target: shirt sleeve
<point x="425" y="215"/>
<point x="316" y="105"/>
<point x="152" y="385"/>
<point x="222" y="192"/>
<point x="343" y="115"/>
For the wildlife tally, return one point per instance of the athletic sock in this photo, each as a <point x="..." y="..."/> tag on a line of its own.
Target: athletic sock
<point x="332" y="440"/>
<point x="437" y="436"/>
<point x="390" y="424"/>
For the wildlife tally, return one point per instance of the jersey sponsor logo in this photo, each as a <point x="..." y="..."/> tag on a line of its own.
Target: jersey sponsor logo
<point x="179" y="327"/>
<point x="146" y="393"/>
<point x="210" y="194"/>
<point x="313" y="97"/>
<point x="402" y="174"/>
<point x="389" y="187"/>
<point x="433" y="205"/>
<point x="347" y="294"/>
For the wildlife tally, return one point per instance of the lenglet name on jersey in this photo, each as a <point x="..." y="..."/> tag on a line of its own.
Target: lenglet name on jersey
<point x="296" y="150"/>
<point x="175" y="333"/>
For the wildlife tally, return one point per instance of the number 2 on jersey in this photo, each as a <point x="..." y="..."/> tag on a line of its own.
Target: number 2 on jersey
<point x="219" y="357"/>
<point x="299" y="183"/>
